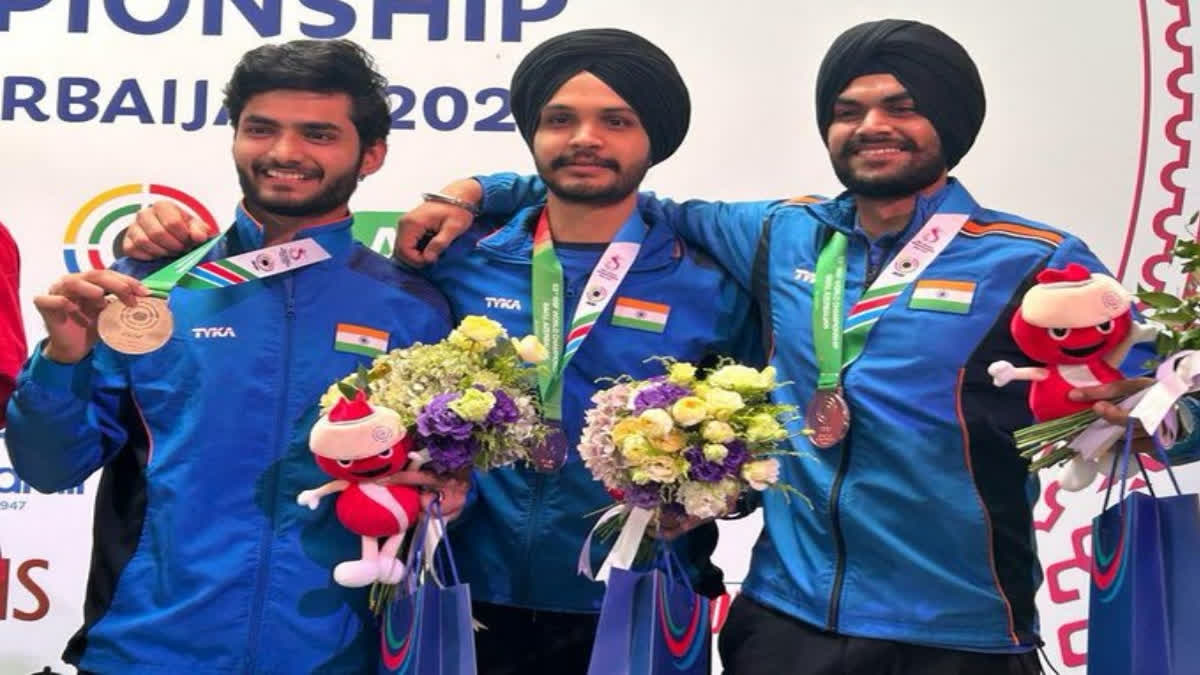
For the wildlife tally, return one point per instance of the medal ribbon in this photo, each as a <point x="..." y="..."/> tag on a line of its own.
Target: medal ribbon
<point x="189" y="272"/>
<point x="836" y="342"/>
<point x="549" y="306"/>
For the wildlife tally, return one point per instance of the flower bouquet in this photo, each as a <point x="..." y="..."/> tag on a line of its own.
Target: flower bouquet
<point x="470" y="398"/>
<point x="680" y="446"/>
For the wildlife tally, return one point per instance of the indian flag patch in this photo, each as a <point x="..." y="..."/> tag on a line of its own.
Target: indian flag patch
<point x="639" y="314"/>
<point x="360" y="340"/>
<point x="942" y="295"/>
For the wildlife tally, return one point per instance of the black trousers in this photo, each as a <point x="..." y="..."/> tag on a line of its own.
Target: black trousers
<point x="757" y="640"/>
<point x="527" y="642"/>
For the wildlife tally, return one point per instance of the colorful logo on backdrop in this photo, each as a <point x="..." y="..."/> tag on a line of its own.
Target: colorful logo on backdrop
<point x="94" y="234"/>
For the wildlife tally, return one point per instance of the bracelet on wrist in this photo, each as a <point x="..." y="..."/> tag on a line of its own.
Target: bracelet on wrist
<point x="453" y="201"/>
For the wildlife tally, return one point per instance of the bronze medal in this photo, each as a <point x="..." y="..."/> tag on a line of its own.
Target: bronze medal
<point x="827" y="417"/>
<point x="136" y="330"/>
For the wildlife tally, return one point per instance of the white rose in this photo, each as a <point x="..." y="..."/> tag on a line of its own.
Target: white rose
<point x="761" y="474"/>
<point x="659" y="422"/>
<point x="530" y="349"/>
<point x="689" y="411"/>
<point x="717" y="432"/>
<point x="715" y="453"/>
<point x="703" y="500"/>
<point x="723" y="403"/>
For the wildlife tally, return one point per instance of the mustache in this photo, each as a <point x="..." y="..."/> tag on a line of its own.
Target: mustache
<point x="584" y="158"/>
<point x="262" y="166"/>
<point x="857" y="144"/>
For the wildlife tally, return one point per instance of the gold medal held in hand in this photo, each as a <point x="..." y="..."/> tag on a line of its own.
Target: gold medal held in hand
<point x="140" y="329"/>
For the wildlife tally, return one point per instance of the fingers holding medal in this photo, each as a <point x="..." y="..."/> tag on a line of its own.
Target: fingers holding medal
<point x="73" y="306"/>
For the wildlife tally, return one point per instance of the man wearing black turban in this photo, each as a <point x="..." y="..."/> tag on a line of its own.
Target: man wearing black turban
<point x="932" y="68"/>
<point x="637" y="70"/>
<point x="597" y="109"/>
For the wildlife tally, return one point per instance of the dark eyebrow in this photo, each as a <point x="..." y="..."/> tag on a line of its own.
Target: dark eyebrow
<point x="901" y="97"/>
<point x="258" y="119"/>
<point x="307" y="126"/>
<point x="558" y="107"/>
<point x="320" y="126"/>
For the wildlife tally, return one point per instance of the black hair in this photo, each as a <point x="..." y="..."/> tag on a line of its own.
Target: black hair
<point x="326" y="66"/>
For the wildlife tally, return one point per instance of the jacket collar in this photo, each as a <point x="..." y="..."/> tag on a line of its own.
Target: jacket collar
<point x="513" y="241"/>
<point x="246" y="234"/>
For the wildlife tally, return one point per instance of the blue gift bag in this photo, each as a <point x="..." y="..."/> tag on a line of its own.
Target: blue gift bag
<point x="652" y="623"/>
<point x="1144" y="607"/>
<point x="427" y="629"/>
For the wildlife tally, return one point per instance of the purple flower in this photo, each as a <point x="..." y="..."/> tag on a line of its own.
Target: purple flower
<point x="447" y="455"/>
<point x="646" y="496"/>
<point x="504" y="411"/>
<point x="659" y="396"/>
<point x="438" y="419"/>
<point x="736" y="458"/>
<point x="701" y="468"/>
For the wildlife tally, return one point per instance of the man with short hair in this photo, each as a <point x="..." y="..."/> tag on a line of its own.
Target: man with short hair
<point x="917" y="554"/>
<point x="203" y="561"/>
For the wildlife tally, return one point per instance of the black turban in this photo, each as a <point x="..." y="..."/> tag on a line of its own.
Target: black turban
<point x="638" y="71"/>
<point x="937" y="72"/>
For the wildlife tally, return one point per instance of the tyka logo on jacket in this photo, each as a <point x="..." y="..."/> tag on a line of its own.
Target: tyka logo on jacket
<point x="213" y="332"/>
<point x="502" y="303"/>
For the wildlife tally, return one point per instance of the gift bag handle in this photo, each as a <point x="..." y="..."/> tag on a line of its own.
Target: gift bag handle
<point x="415" y="557"/>
<point x="673" y="565"/>
<point x="1166" y="462"/>
<point x="434" y="513"/>
<point x="1126" y="452"/>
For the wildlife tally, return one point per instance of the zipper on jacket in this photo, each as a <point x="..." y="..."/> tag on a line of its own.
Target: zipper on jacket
<point x="835" y="492"/>
<point x="839" y="541"/>
<point x="521" y="593"/>
<point x="271" y="496"/>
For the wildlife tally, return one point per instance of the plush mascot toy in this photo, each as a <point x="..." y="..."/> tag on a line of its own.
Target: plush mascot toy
<point x="1075" y="323"/>
<point x="1078" y="325"/>
<point x="358" y="445"/>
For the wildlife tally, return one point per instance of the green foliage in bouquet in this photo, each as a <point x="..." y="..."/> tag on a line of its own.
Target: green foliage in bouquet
<point x="1178" y="315"/>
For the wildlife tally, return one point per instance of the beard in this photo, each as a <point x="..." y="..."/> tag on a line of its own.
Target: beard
<point x="335" y="193"/>
<point x="625" y="183"/>
<point x="921" y="172"/>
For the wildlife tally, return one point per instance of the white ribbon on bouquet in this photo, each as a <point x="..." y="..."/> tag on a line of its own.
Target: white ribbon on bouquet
<point x="625" y="549"/>
<point x="1177" y="375"/>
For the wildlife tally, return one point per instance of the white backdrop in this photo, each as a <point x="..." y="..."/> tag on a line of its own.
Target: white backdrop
<point x="1089" y="127"/>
